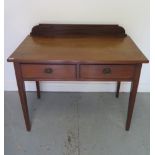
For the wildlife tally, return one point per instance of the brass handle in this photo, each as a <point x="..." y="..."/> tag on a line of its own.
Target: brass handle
<point x="107" y="71"/>
<point x="48" y="70"/>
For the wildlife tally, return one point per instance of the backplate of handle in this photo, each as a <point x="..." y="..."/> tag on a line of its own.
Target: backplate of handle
<point x="107" y="70"/>
<point x="48" y="70"/>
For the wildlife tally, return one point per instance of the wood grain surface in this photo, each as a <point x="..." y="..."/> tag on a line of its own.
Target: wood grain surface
<point x="33" y="71"/>
<point x="106" y="71"/>
<point x="104" y="50"/>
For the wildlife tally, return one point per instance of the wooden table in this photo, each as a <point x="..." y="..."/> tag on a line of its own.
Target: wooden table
<point x="63" y="52"/>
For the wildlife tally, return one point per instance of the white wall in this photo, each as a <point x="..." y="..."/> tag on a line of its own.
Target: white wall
<point x="22" y="15"/>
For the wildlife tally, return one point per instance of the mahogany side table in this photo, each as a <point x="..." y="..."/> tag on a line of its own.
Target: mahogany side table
<point x="67" y="52"/>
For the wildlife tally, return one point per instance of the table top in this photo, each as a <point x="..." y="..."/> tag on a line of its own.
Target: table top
<point x="107" y="50"/>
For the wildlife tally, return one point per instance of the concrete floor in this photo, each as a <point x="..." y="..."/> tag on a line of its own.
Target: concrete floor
<point x="77" y="124"/>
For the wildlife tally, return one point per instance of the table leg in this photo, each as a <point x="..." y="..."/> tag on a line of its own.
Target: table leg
<point x="22" y="94"/>
<point x="134" y="86"/>
<point x="38" y="89"/>
<point x="118" y="88"/>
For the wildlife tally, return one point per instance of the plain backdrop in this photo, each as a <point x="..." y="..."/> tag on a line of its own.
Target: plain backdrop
<point x="21" y="16"/>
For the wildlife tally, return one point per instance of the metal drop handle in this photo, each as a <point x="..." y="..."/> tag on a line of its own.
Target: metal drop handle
<point x="107" y="71"/>
<point x="48" y="70"/>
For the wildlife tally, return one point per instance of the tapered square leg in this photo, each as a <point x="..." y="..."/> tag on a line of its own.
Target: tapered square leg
<point x="118" y="88"/>
<point x="134" y="86"/>
<point x="38" y="89"/>
<point x="22" y="95"/>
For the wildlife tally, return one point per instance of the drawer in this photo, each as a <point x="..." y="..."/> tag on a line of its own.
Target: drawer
<point x="42" y="71"/>
<point x="106" y="72"/>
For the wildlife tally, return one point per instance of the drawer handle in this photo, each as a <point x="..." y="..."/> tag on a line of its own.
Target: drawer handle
<point x="107" y="71"/>
<point x="48" y="70"/>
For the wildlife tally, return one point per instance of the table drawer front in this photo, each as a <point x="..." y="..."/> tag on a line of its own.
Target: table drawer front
<point x="60" y="72"/>
<point x="106" y="71"/>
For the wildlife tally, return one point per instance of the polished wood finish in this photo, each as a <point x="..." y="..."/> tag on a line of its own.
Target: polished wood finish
<point x="53" y="72"/>
<point x="118" y="88"/>
<point x="38" y="89"/>
<point x="93" y="50"/>
<point x="77" y="53"/>
<point x="107" y="72"/>
<point x="63" y="30"/>
<point x="134" y="86"/>
<point x="22" y="94"/>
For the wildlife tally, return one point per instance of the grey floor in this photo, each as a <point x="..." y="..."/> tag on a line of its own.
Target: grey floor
<point x="77" y="124"/>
